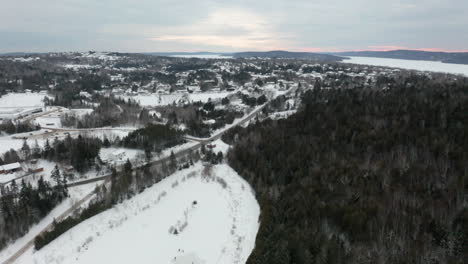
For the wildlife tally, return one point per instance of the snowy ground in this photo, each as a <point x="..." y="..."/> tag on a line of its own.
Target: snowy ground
<point x="282" y="115"/>
<point x="49" y="121"/>
<point x="52" y="120"/>
<point x="204" y="97"/>
<point x="15" y="142"/>
<point x="434" y="66"/>
<point x="108" y="154"/>
<point x="214" y="223"/>
<point x="219" y="145"/>
<point x="22" y="100"/>
<point x="33" y="177"/>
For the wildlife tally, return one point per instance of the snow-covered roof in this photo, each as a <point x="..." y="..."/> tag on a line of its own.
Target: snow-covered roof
<point x="10" y="166"/>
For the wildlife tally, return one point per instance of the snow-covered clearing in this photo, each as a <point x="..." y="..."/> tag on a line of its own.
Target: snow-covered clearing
<point x="204" y="97"/>
<point x="49" y="121"/>
<point x="433" y="66"/>
<point x="22" y="100"/>
<point x="156" y="99"/>
<point x="10" y="142"/>
<point x="213" y="210"/>
<point x="119" y="156"/>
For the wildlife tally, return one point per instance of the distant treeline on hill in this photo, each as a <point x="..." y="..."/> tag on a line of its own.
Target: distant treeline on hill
<point x="288" y="55"/>
<point x="362" y="175"/>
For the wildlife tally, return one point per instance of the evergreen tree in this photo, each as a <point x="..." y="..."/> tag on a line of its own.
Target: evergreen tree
<point x="36" y="150"/>
<point x="25" y="150"/>
<point x="47" y="149"/>
<point x="173" y="162"/>
<point x="55" y="175"/>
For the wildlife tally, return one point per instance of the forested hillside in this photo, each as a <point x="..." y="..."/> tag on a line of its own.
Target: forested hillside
<point x="362" y="175"/>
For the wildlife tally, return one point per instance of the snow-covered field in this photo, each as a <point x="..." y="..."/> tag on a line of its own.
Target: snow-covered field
<point x="9" y="142"/>
<point x="433" y="66"/>
<point x="49" y="121"/>
<point x="213" y="210"/>
<point x="204" y="97"/>
<point x="22" y="100"/>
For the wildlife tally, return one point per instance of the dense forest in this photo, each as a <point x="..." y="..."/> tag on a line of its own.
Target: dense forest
<point x="9" y="127"/>
<point x="362" y="175"/>
<point x="80" y="152"/>
<point x="153" y="137"/>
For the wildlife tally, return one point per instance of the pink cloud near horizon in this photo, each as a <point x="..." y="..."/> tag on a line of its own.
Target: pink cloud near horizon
<point x="394" y="47"/>
<point x="368" y="48"/>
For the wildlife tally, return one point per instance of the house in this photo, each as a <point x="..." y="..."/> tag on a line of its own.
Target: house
<point x="12" y="113"/>
<point x="10" y="168"/>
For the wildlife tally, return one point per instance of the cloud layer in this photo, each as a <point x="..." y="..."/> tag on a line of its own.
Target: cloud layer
<point x="220" y="25"/>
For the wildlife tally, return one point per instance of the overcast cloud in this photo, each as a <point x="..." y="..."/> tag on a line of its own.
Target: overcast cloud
<point x="224" y="26"/>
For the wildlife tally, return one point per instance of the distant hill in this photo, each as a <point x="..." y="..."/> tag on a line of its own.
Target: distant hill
<point x="287" y="54"/>
<point x="19" y="54"/>
<point x="182" y="53"/>
<point x="447" y="57"/>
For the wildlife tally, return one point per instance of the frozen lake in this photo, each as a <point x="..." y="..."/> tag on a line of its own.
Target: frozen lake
<point x="203" y="56"/>
<point x="434" y="66"/>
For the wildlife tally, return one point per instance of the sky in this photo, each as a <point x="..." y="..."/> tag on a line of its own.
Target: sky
<point x="229" y="26"/>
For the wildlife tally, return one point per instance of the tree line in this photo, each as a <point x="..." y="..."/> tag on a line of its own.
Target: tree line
<point x="362" y="175"/>
<point x="24" y="205"/>
<point x="11" y="127"/>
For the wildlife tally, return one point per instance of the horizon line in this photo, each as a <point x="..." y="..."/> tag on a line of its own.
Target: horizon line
<point x="307" y="50"/>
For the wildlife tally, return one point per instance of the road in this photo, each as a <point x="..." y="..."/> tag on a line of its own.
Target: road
<point x="106" y="178"/>
<point x="184" y="152"/>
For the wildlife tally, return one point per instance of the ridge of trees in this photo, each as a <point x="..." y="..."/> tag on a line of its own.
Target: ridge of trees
<point x="362" y="175"/>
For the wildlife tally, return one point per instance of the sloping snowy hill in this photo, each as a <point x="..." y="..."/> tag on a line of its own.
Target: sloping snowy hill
<point x="198" y="215"/>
